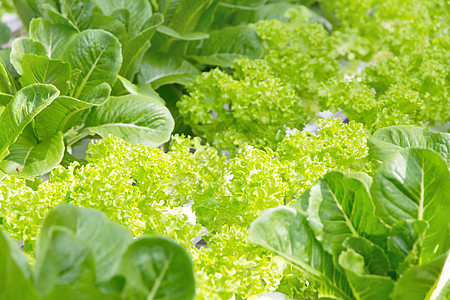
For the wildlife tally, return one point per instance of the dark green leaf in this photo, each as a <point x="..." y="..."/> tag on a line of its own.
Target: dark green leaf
<point x="69" y="292"/>
<point x="375" y="260"/>
<point x="135" y="50"/>
<point x="157" y="268"/>
<point x="61" y="114"/>
<point x="66" y="260"/>
<point x="224" y="46"/>
<point x="413" y="184"/>
<point x="133" y="118"/>
<point x="387" y="141"/>
<point x="287" y="233"/>
<point x="364" y="286"/>
<point x="403" y="239"/>
<point x="8" y="84"/>
<point x="339" y="207"/>
<point x="55" y="37"/>
<point x="29" y="157"/>
<point x="96" y="53"/>
<point x="40" y="69"/>
<point x="160" y="69"/>
<point x="191" y="36"/>
<point x="21" y="110"/>
<point x="22" y="46"/>
<point x="106" y="239"/>
<point x="5" y="34"/>
<point x="139" y="11"/>
<point x="418" y="282"/>
<point x="15" y="274"/>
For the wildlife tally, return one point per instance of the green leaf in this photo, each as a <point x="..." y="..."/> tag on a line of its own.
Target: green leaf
<point x="54" y="37"/>
<point x="339" y="207"/>
<point x="64" y="111"/>
<point x="4" y="100"/>
<point x="418" y="282"/>
<point x="86" y="14"/>
<point x="40" y="69"/>
<point x="56" y="17"/>
<point x="412" y="184"/>
<point x="244" y="5"/>
<point x="225" y="45"/>
<point x="96" y="53"/>
<point x="106" y="239"/>
<point x="22" y="46"/>
<point x="136" y="48"/>
<point x="69" y="292"/>
<point x="133" y="118"/>
<point x="15" y="273"/>
<point x="123" y="86"/>
<point x="187" y="15"/>
<point x="403" y="239"/>
<point x="191" y="36"/>
<point x="387" y="141"/>
<point x="21" y="110"/>
<point x="376" y="261"/>
<point x="79" y="12"/>
<point x="286" y="232"/>
<point x="66" y="260"/>
<point x="5" y="34"/>
<point x="139" y="11"/>
<point x="8" y="84"/>
<point x="157" y="268"/>
<point x="161" y="69"/>
<point x="364" y="286"/>
<point x="28" y="157"/>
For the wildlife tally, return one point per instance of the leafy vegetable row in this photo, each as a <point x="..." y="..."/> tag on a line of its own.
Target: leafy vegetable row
<point x="366" y="238"/>
<point x="145" y="189"/>
<point x="81" y="254"/>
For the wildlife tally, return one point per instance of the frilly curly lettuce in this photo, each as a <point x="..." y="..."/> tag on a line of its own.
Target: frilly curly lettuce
<point x="145" y="189"/>
<point x="260" y="98"/>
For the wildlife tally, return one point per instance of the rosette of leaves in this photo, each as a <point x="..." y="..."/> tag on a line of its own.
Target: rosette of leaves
<point x="177" y="31"/>
<point x="373" y="29"/>
<point x="370" y="238"/>
<point x="81" y="254"/>
<point x="402" y="90"/>
<point x="64" y="95"/>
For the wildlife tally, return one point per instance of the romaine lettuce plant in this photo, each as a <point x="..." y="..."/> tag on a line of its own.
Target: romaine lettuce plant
<point x="81" y="254"/>
<point x="177" y="32"/>
<point x="369" y="238"/>
<point x="66" y="79"/>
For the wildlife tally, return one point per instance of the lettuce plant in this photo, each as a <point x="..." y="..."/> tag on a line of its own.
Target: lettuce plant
<point x="145" y="190"/>
<point x="369" y="238"/>
<point x="82" y="254"/>
<point x="66" y="78"/>
<point x="262" y="97"/>
<point x="371" y="30"/>
<point x="407" y="89"/>
<point x="178" y="31"/>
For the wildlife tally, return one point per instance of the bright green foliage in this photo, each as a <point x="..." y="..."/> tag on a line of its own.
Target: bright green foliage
<point x="336" y="146"/>
<point x="226" y="196"/>
<point x="262" y="97"/>
<point x="232" y="265"/>
<point x="371" y="29"/>
<point x="402" y="48"/>
<point x="230" y="112"/>
<point x="410" y="89"/>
